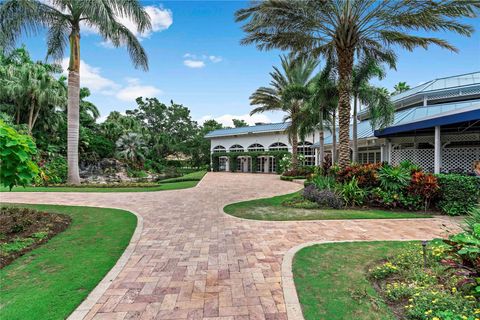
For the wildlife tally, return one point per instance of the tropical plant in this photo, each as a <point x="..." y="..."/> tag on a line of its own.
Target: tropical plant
<point x="344" y="29"/>
<point x="375" y="100"/>
<point x="16" y="151"/>
<point x="63" y="19"/>
<point x="316" y="114"/>
<point x="324" y="198"/>
<point x="31" y="87"/>
<point x="324" y="182"/>
<point x="393" y="178"/>
<point x="424" y="186"/>
<point x="352" y="194"/>
<point x="131" y="147"/>
<point x="400" y="87"/>
<point x="288" y="92"/>
<point x="459" y="194"/>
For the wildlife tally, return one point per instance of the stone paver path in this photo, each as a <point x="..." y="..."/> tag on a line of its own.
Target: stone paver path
<point x="192" y="261"/>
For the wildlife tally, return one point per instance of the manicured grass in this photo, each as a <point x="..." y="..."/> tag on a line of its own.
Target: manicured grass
<point x="272" y="209"/>
<point x="50" y="281"/>
<point x="181" y="183"/>
<point x="331" y="280"/>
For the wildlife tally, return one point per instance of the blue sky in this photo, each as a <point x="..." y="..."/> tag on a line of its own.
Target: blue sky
<point x="196" y="59"/>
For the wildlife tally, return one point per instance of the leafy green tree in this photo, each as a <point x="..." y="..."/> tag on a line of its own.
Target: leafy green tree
<point x="168" y="129"/>
<point x="239" y="123"/>
<point x="63" y="20"/>
<point x="16" y="153"/>
<point x="117" y="124"/>
<point x="347" y="29"/>
<point x="200" y="147"/>
<point x="400" y="87"/>
<point x="288" y="92"/>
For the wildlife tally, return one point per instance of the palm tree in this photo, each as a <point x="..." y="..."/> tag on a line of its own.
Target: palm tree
<point x="63" y="20"/>
<point x="32" y="88"/>
<point x="362" y="92"/>
<point x="400" y="87"/>
<point x="131" y="147"/>
<point x="288" y="92"/>
<point x="348" y="29"/>
<point x="323" y="101"/>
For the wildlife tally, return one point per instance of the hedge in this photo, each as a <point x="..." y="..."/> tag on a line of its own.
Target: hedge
<point x="459" y="194"/>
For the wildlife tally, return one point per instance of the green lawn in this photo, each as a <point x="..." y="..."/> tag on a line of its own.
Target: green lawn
<point x="53" y="279"/>
<point x="272" y="209"/>
<point x="331" y="280"/>
<point x="187" y="181"/>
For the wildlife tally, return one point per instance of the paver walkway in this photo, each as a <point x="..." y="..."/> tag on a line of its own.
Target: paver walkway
<point x="192" y="261"/>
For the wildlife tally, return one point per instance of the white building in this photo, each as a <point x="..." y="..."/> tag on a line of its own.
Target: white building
<point x="436" y="125"/>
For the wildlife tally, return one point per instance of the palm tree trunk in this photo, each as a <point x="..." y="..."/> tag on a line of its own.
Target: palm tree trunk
<point x="294" y="150"/>
<point x="321" y="140"/>
<point x="334" y="138"/>
<point x="345" y="66"/>
<point x="354" y="131"/>
<point x="30" y="117"/>
<point x="73" y="107"/>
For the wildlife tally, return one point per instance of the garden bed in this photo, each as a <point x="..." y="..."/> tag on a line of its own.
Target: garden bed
<point x="294" y="207"/>
<point x="22" y="230"/>
<point x="50" y="281"/>
<point x="380" y="280"/>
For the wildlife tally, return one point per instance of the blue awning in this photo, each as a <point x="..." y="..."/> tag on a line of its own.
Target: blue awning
<point x="471" y="113"/>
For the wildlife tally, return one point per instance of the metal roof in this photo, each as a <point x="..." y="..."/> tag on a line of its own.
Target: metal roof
<point x="448" y="114"/>
<point x="462" y="80"/>
<point x="413" y="115"/>
<point x="271" y="127"/>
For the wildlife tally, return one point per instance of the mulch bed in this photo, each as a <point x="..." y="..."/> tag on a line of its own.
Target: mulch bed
<point x="23" y="229"/>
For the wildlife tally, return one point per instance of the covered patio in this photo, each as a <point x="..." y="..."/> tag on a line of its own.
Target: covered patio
<point x="444" y="138"/>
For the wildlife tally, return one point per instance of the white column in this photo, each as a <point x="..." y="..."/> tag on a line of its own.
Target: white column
<point x="438" y="150"/>
<point x="389" y="155"/>
<point x="382" y="153"/>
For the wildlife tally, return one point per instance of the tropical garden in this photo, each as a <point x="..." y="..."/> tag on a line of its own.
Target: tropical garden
<point x="50" y="139"/>
<point x="356" y="39"/>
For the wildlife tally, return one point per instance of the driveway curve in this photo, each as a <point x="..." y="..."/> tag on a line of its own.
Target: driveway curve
<point x="192" y="261"/>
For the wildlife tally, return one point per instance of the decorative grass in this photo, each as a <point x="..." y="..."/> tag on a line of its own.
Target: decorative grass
<point x="50" y="281"/>
<point x="272" y="209"/>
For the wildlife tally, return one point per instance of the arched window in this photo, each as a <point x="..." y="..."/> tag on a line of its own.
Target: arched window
<point x="305" y="148"/>
<point x="256" y="147"/>
<point x="219" y="149"/>
<point x="236" y="148"/>
<point x="278" y="146"/>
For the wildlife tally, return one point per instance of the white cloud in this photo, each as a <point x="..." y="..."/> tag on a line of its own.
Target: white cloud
<point x="215" y="59"/>
<point x="226" y="119"/>
<point x="194" y="63"/>
<point x="90" y="77"/>
<point x="135" y="89"/>
<point x="200" y="61"/>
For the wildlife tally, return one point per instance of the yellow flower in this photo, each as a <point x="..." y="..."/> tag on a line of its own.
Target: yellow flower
<point x="477" y="311"/>
<point x="428" y="312"/>
<point x="464" y="317"/>
<point x="454" y="289"/>
<point x="434" y="301"/>
<point x="435" y="318"/>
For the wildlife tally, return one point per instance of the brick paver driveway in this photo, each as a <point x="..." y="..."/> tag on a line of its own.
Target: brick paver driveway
<point x="192" y="261"/>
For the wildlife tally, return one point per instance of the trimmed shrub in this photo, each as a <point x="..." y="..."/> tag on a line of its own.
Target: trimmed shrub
<point x="324" y="198"/>
<point x="365" y="174"/>
<point x="459" y="194"/>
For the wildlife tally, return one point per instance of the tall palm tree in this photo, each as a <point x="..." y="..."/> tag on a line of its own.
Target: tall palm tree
<point x="400" y="87"/>
<point x="363" y="72"/>
<point x="347" y="28"/>
<point x="322" y="102"/>
<point x="63" y="19"/>
<point x="288" y="92"/>
<point x="131" y="147"/>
